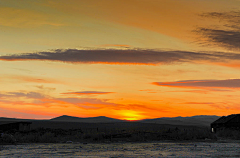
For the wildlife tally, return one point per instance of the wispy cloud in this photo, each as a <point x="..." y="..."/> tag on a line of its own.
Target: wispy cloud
<point x="10" y="113"/>
<point x="227" y="33"/>
<point x="225" y="106"/>
<point x="24" y="78"/>
<point x="88" y="102"/>
<point x="207" y="103"/>
<point x="226" y="38"/>
<point x="126" y="56"/>
<point x="233" y="17"/>
<point x="39" y="99"/>
<point x="116" y="45"/>
<point x="48" y="89"/>
<point x="34" y="95"/>
<point x="88" y="93"/>
<point x="217" y="105"/>
<point x="202" y="84"/>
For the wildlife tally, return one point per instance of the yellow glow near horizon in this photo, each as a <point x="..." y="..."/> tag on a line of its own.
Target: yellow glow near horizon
<point x="130" y="115"/>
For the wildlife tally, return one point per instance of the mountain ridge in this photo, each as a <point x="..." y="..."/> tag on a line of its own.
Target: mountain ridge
<point x="197" y="120"/>
<point x="97" y="119"/>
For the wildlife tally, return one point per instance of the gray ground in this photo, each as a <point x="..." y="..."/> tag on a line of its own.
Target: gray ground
<point x="130" y="150"/>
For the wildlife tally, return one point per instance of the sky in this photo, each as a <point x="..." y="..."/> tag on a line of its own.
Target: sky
<point x="124" y="59"/>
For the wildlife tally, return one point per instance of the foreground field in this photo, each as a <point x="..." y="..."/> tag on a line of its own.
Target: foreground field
<point x="144" y="150"/>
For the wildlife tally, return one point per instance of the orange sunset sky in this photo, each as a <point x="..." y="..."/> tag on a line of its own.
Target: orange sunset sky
<point x="125" y="59"/>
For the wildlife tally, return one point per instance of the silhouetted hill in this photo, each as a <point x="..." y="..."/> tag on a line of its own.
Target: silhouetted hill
<point x="202" y="120"/>
<point x="9" y="119"/>
<point x="5" y="119"/>
<point x="100" y="119"/>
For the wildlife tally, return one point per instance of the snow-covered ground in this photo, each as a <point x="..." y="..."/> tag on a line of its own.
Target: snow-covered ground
<point x="131" y="150"/>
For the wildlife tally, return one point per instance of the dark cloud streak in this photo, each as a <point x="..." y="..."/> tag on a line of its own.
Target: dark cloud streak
<point x="87" y="93"/>
<point x="224" y="38"/>
<point x="227" y="34"/>
<point x="229" y="83"/>
<point x="116" y="56"/>
<point x="33" y="95"/>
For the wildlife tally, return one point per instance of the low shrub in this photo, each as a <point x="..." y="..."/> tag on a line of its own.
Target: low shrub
<point x="44" y="135"/>
<point x="229" y="134"/>
<point x="7" y="138"/>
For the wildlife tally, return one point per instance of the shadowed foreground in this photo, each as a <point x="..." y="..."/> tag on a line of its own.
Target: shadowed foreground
<point x="117" y="132"/>
<point x="156" y="149"/>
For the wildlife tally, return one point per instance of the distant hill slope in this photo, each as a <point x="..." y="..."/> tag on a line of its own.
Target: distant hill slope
<point x="5" y="120"/>
<point x="202" y="120"/>
<point x="100" y="119"/>
<point x="12" y="119"/>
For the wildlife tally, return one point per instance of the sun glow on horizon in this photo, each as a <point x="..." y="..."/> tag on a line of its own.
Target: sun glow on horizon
<point x="130" y="115"/>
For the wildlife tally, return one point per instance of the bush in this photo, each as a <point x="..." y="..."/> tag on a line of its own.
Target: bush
<point x="7" y="138"/>
<point x="48" y="138"/>
<point x="229" y="133"/>
<point x="44" y="135"/>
